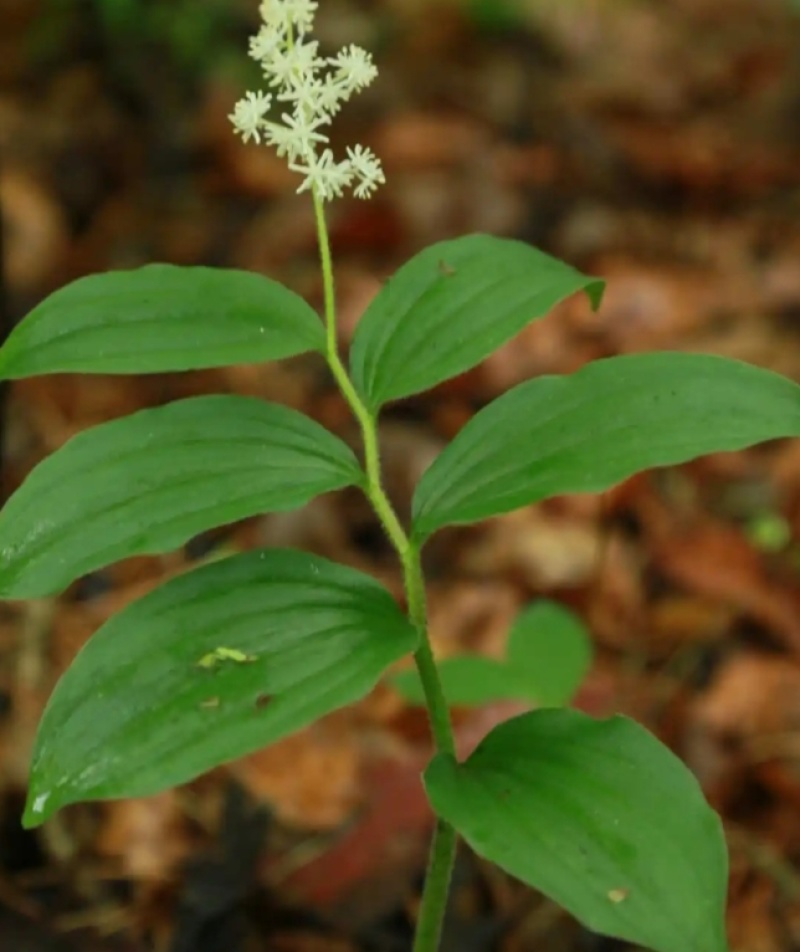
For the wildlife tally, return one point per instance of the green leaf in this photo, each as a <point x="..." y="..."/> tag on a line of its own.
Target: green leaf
<point x="589" y="430"/>
<point x="161" y="318"/>
<point x="451" y="306"/>
<point x="549" y="653"/>
<point x="295" y="636"/>
<point x="600" y="817"/>
<point x="149" y="482"/>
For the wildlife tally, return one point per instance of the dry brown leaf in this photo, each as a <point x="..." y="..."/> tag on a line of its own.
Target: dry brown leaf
<point x="311" y="779"/>
<point x="147" y="838"/>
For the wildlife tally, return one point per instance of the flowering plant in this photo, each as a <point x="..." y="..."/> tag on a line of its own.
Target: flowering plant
<point x="237" y="653"/>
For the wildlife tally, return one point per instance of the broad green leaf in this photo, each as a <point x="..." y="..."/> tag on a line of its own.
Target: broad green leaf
<point x="451" y="306"/>
<point x="161" y="317"/>
<point x="587" y="431"/>
<point x="149" y="482"/>
<point x="600" y="817"/>
<point x="549" y="653"/>
<point x="213" y="665"/>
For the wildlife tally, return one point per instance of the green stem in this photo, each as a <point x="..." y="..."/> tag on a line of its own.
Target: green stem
<point x="438" y="712"/>
<point x="437" y="879"/>
<point x="437" y="887"/>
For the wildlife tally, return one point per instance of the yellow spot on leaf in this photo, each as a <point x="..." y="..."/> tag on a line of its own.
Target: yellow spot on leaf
<point x="219" y="655"/>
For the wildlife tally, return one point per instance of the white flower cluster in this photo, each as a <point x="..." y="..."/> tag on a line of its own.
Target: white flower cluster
<point x="313" y="88"/>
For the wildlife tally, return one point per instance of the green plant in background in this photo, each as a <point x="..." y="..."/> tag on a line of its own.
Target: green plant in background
<point x="596" y="813"/>
<point x="769" y="531"/>
<point x="501" y="15"/>
<point x="189" y="34"/>
<point x="494" y="14"/>
<point x="548" y="656"/>
<point x="196" y="35"/>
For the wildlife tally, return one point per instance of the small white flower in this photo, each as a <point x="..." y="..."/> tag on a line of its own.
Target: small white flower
<point x="264" y="44"/>
<point x="292" y="63"/>
<point x="354" y="67"/>
<point x="297" y="137"/>
<point x="285" y="16"/>
<point x="331" y="95"/>
<point x="364" y="161"/>
<point x="367" y="169"/>
<point x="248" y="115"/>
<point x="366" y="187"/>
<point x="324" y="175"/>
<point x="274" y="16"/>
<point x="301" y="14"/>
<point x="305" y="92"/>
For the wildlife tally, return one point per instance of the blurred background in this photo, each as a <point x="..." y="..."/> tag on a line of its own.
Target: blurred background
<point x="654" y="144"/>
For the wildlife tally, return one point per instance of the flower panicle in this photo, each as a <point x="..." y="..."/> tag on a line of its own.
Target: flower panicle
<point x="312" y="89"/>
